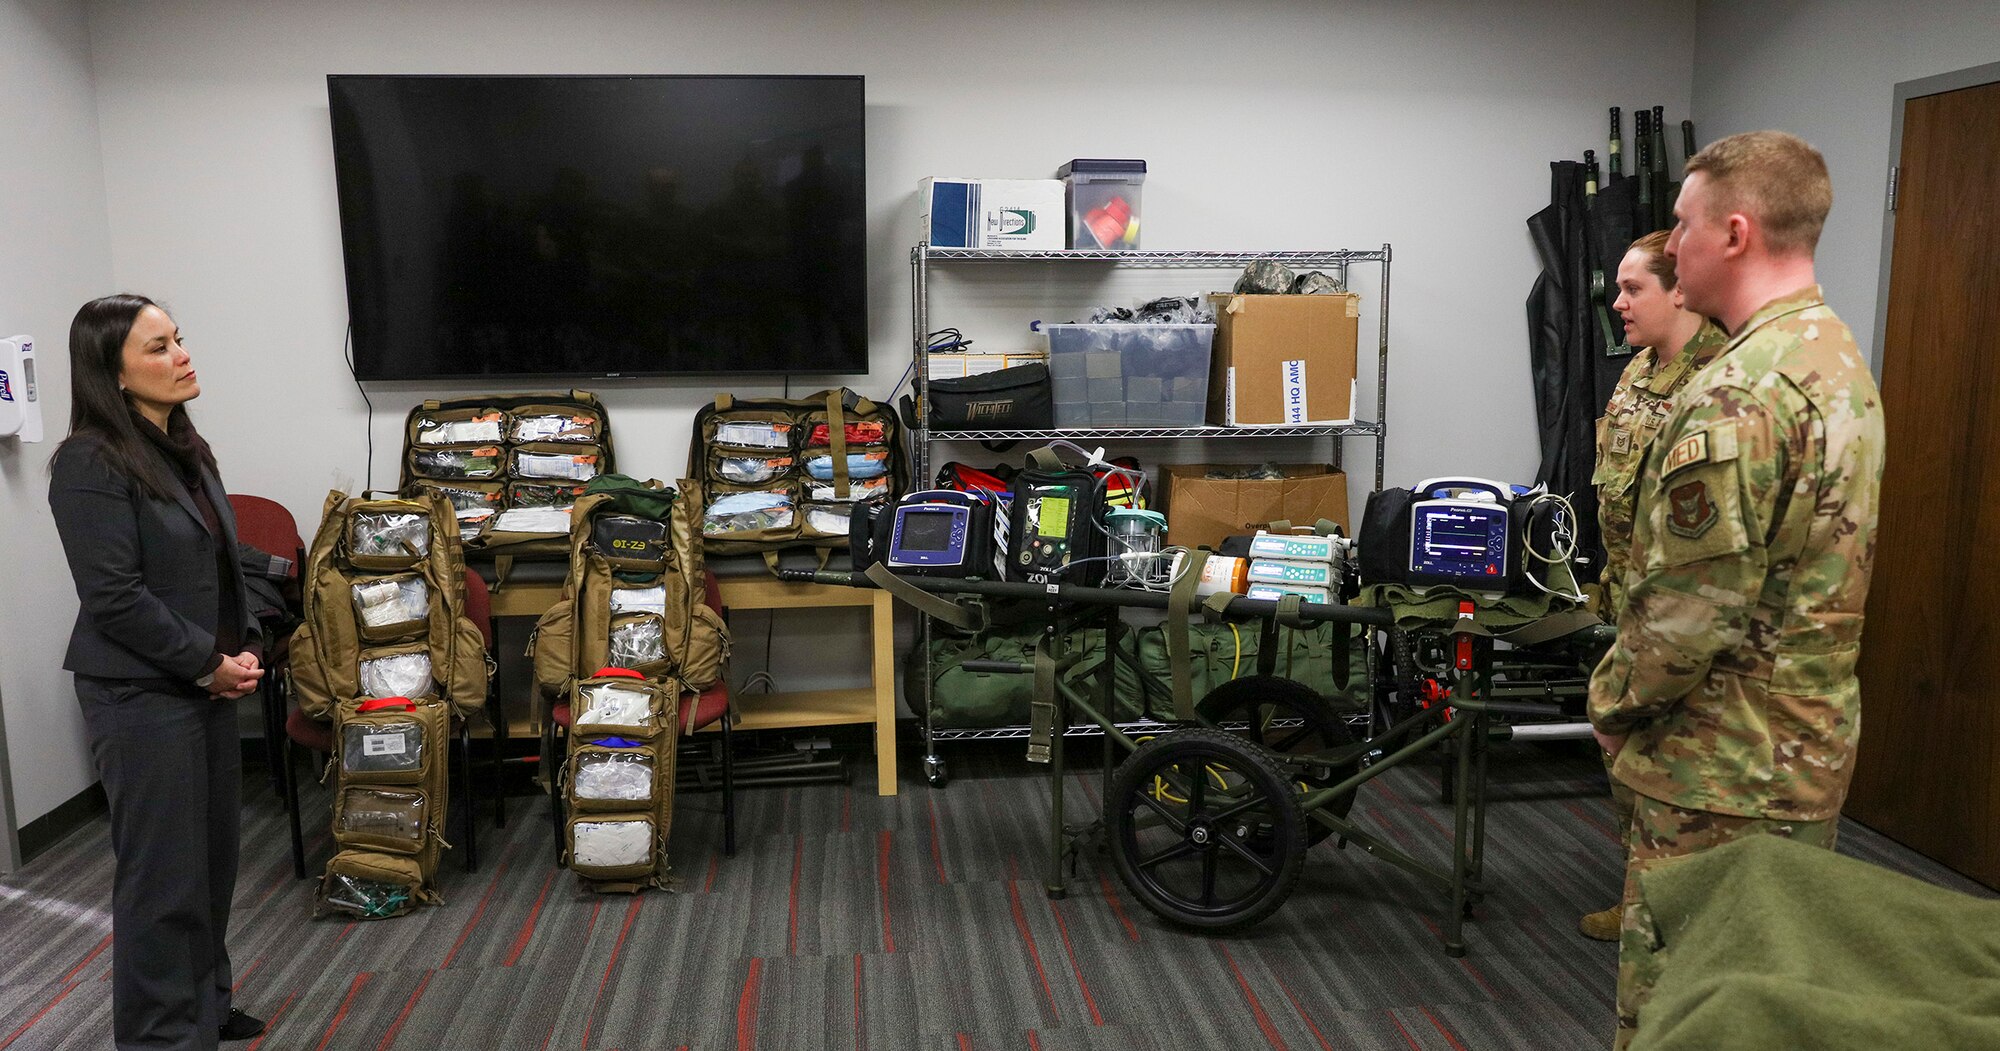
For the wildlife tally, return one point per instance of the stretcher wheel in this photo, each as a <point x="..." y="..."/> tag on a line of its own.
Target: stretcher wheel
<point x="1205" y="829"/>
<point x="1262" y="708"/>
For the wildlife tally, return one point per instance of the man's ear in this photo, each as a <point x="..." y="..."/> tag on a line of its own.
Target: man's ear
<point x="1740" y="229"/>
<point x="1679" y="300"/>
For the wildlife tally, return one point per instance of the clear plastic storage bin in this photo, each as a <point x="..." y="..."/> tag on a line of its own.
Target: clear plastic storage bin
<point x="1130" y="375"/>
<point x="1103" y="202"/>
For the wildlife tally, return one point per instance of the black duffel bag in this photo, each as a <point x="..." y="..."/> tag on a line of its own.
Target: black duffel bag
<point x="1013" y="399"/>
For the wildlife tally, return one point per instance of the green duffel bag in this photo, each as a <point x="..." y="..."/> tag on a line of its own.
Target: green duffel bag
<point x="966" y="700"/>
<point x="1219" y="652"/>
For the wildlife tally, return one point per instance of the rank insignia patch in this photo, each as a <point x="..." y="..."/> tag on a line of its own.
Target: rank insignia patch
<point x="1621" y="441"/>
<point x="1691" y="512"/>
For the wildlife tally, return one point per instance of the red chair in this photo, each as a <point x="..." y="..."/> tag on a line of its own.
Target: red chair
<point x="268" y="527"/>
<point x="316" y="736"/>
<point x="696" y="710"/>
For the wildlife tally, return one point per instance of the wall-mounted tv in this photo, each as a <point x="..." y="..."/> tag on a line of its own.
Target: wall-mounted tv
<point x="601" y="225"/>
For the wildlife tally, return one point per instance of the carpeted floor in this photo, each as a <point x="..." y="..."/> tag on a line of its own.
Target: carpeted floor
<point x="850" y="921"/>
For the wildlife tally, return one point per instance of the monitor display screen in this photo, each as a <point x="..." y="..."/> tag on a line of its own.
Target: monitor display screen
<point x="926" y="531"/>
<point x="601" y="225"/>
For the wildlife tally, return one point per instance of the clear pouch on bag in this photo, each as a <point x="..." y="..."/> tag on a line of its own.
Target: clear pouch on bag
<point x="611" y="847"/>
<point x="397" y="674"/>
<point x="401" y="536"/>
<point x="458" y="464"/>
<point x="392" y="746"/>
<point x="602" y="779"/>
<point x="638" y="642"/>
<point x="615" y="704"/>
<point x="388" y="608"/>
<point x="731" y="514"/>
<point x="386" y="818"/>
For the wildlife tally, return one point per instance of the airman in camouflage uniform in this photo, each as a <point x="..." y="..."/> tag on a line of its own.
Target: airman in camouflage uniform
<point x="1730" y="699"/>
<point x="1651" y="309"/>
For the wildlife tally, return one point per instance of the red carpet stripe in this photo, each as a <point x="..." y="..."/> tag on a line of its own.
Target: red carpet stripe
<point x="477" y="914"/>
<point x="882" y="883"/>
<point x="1256" y="1008"/>
<point x="860" y="1039"/>
<point x="792" y="906"/>
<point x="714" y="864"/>
<point x="964" y="1042"/>
<point x="937" y="849"/>
<point x="341" y="1015"/>
<point x="746" y="1009"/>
<point x="1399" y="1028"/>
<point x="1088" y="1000"/>
<point x="345" y="931"/>
<point x="528" y="927"/>
<point x="610" y="965"/>
<point x="1303" y="1016"/>
<point x="30" y="1023"/>
<point x="396" y="1027"/>
<point x="1477" y="977"/>
<point x="847" y="808"/>
<point x="85" y="962"/>
<point x="1440" y="1028"/>
<point x="1027" y="936"/>
<point x="271" y="1026"/>
<point x="1610" y="831"/>
<point x="1111" y="895"/>
<point x="1034" y="1042"/>
<point x="245" y="976"/>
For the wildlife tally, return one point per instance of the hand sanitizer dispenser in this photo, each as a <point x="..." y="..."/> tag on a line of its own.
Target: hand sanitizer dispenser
<point x="20" y="403"/>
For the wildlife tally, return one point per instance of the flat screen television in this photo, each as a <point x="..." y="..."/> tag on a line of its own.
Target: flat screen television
<point x="601" y="225"/>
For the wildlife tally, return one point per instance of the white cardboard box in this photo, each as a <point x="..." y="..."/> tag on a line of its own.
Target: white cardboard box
<point x="1022" y="214"/>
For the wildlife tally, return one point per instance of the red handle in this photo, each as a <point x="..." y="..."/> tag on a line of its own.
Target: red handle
<point x="380" y="703"/>
<point x="617" y="673"/>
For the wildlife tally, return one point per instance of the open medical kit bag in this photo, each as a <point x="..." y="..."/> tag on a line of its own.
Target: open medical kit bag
<point x="511" y="465"/>
<point x="779" y="473"/>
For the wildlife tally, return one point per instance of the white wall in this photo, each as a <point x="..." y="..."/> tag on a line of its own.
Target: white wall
<point x="1827" y="70"/>
<point x="57" y="255"/>
<point x="1267" y="125"/>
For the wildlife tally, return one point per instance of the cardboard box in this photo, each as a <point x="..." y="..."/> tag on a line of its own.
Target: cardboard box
<point x="992" y="213"/>
<point x="957" y="365"/>
<point x="1284" y="360"/>
<point x="1201" y="510"/>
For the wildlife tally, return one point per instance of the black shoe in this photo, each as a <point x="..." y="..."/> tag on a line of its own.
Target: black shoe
<point x="240" y="1026"/>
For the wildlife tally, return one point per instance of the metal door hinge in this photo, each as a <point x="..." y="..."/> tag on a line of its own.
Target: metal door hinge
<point x="1895" y="171"/>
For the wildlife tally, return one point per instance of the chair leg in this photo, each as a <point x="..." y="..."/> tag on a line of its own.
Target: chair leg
<point x="552" y="770"/>
<point x="496" y="717"/>
<point x="728" y="790"/>
<point x="274" y="731"/>
<point x="465" y="793"/>
<point x="290" y="779"/>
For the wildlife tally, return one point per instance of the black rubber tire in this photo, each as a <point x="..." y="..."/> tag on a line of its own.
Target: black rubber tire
<point x="1255" y="828"/>
<point x="1256" y="699"/>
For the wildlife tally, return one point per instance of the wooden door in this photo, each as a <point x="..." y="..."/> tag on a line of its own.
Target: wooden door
<point x="1929" y="767"/>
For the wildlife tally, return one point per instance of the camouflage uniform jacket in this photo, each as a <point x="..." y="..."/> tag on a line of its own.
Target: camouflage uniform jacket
<point x="1754" y="534"/>
<point x="1639" y="405"/>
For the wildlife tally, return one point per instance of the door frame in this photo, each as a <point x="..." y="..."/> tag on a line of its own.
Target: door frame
<point x="1970" y="77"/>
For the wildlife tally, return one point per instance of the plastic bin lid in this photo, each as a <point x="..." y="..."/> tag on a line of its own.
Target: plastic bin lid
<point x="1101" y="166"/>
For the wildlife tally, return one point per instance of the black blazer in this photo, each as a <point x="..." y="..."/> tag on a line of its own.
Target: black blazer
<point x="145" y="569"/>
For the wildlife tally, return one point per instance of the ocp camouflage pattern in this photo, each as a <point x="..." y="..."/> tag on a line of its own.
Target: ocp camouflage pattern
<point x="1753" y="539"/>
<point x="1638" y="407"/>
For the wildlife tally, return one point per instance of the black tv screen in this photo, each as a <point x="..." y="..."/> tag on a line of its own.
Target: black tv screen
<point x="599" y="225"/>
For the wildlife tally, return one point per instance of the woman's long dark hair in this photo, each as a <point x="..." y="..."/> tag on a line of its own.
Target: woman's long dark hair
<point x="98" y="406"/>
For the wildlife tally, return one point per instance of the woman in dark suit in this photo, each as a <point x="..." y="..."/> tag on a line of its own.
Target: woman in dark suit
<point x="164" y="644"/>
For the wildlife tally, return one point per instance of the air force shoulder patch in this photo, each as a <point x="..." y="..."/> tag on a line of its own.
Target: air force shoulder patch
<point x="1690" y="511"/>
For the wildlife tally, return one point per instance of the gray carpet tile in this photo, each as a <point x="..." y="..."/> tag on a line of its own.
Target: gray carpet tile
<point x="853" y="922"/>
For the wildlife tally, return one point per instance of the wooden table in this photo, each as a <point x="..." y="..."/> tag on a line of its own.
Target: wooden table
<point x="874" y="703"/>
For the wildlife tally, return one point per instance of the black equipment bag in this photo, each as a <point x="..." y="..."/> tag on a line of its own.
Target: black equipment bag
<point x="1020" y="398"/>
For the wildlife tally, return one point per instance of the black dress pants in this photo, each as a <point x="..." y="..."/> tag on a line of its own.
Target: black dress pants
<point x="171" y="767"/>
